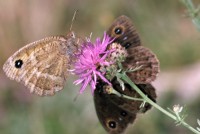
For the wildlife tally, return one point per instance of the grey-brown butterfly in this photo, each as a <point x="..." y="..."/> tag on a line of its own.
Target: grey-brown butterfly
<point x="43" y="65"/>
<point x="114" y="112"/>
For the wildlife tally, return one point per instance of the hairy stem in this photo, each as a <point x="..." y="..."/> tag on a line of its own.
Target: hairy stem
<point x="174" y="117"/>
<point x="193" y="12"/>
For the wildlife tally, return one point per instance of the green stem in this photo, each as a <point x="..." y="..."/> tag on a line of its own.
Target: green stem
<point x="189" y="5"/>
<point x="127" y="79"/>
<point x="193" y="12"/>
<point x="125" y="96"/>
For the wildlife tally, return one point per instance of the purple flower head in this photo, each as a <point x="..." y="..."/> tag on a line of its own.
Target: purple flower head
<point x="89" y="59"/>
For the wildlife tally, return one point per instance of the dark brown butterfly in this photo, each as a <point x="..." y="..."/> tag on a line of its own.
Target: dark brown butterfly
<point x="115" y="113"/>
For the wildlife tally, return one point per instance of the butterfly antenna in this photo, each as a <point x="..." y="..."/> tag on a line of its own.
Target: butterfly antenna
<point x="90" y="35"/>
<point x="89" y="39"/>
<point x="74" y="16"/>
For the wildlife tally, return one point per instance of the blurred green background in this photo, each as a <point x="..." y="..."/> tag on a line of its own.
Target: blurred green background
<point x="163" y="26"/>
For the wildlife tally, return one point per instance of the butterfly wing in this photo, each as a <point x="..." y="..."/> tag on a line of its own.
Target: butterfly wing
<point x="41" y="65"/>
<point x="111" y="107"/>
<point x="113" y="118"/>
<point x="133" y="106"/>
<point x="123" y="31"/>
<point x="138" y="56"/>
<point x="147" y="62"/>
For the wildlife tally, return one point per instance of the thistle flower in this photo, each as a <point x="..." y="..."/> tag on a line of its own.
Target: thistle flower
<point x="90" y="59"/>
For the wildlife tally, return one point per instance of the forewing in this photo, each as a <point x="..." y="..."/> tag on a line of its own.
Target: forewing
<point x="44" y="65"/>
<point x="123" y="31"/>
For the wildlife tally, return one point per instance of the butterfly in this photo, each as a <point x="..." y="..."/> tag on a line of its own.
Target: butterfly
<point x="116" y="113"/>
<point x="43" y="65"/>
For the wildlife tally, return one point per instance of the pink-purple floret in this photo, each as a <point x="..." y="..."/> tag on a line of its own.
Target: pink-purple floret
<point x="88" y="59"/>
